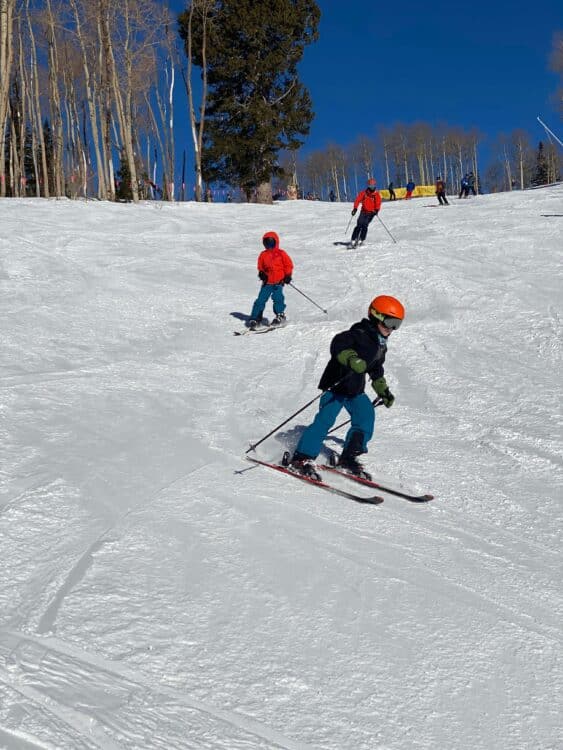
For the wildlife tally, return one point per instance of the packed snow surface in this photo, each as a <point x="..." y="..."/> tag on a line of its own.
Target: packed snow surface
<point x="159" y="591"/>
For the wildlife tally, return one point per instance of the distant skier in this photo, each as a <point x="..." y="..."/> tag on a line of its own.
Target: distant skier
<point x="370" y="199"/>
<point x="471" y="183"/>
<point x="441" y="192"/>
<point x="391" y="189"/>
<point x="464" y="189"/>
<point x="354" y="353"/>
<point x="274" y="270"/>
<point x="410" y="190"/>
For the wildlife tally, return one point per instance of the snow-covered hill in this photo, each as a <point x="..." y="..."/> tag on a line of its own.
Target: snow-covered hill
<point x="157" y="591"/>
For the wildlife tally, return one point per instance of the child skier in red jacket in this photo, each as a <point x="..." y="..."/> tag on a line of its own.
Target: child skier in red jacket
<point x="274" y="270"/>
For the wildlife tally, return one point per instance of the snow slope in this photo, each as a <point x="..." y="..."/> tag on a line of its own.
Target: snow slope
<point x="158" y="591"/>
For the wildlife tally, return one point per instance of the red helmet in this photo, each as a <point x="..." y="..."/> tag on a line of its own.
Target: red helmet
<point x="371" y="182"/>
<point x="384" y="307"/>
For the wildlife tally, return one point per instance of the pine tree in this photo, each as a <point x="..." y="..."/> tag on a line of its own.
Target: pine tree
<point x="541" y="174"/>
<point x="123" y="191"/>
<point x="256" y="104"/>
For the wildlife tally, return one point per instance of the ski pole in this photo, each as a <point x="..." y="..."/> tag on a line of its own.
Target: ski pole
<point x="388" y="232"/>
<point x="376" y="402"/>
<point x="348" y="227"/>
<point x="312" y="401"/>
<point x="310" y="300"/>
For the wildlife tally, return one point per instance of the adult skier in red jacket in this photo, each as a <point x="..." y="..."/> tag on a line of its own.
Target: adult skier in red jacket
<point x="371" y="203"/>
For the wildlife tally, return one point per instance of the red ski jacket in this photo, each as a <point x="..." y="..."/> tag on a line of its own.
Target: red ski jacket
<point x="370" y="200"/>
<point x="275" y="263"/>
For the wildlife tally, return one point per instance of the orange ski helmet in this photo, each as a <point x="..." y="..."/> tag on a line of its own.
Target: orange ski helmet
<point x="385" y="307"/>
<point x="371" y="182"/>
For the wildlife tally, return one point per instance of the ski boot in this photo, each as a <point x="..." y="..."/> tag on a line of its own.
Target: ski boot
<point x="279" y="320"/>
<point x="348" y="460"/>
<point x="253" y="324"/>
<point x="351" y="465"/>
<point x="301" y="464"/>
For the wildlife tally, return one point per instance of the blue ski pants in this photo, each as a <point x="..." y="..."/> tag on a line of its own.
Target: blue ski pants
<point x="358" y="407"/>
<point x="275" y="291"/>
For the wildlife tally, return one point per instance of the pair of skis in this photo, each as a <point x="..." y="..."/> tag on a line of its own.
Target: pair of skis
<point x="351" y="245"/>
<point x="370" y="500"/>
<point x="260" y="329"/>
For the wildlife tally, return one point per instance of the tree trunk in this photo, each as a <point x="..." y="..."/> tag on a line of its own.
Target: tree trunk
<point x="264" y="193"/>
<point x="37" y="115"/>
<point x="6" y="20"/>
<point x="55" y="103"/>
<point x="91" y="104"/>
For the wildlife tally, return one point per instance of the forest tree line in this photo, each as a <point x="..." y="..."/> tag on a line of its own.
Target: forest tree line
<point x="423" y="152"/>
<point x="87" y="92"/>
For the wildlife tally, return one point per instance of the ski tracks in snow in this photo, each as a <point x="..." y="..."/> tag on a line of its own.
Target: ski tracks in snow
<point x="87" y="701"/>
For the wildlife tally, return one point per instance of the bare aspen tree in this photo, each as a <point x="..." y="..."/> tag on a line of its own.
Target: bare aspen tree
<point x="507" y="166"/>
<point x="522" y="152"/>
<point x="203" y="10"/>
<point x="28" y="73"/>
<point x="168" y="122"/>
<point x="420" y="136"/>
<point x="7" y="8"/>
<point x="130" y="29"/>
<point x="474" y="138"/>
<point x="23" y="113"/>
<point x="55" y="99"/>
<point x="384" y="138"/>
<point x="363" y="153"/>
<point x="37" y="111"/>
<point x="74" y="146"/>
<point x="121" y="87"/>
<point x="104" y="96"/>
<point x="334" y="159"/>
<point x="155" y="128"/>
<point x="317" y="169"/>
<point x="89" y="86"/>
<point x="166" y="141"/>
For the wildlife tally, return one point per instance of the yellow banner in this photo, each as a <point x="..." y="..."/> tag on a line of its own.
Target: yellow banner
<point x="418" y="192"/>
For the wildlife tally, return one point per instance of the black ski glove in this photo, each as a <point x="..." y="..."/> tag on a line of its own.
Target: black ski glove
<point x="263" y="276"/>
<point x="354" y="211"/>
<point x="287" y="279"/>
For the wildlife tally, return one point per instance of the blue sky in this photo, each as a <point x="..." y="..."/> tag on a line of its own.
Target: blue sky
<point x="481" y="64"/>
<point x="476" y="64"/>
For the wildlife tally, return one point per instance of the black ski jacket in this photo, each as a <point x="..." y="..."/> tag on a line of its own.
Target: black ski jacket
<point x="365" y="339"/>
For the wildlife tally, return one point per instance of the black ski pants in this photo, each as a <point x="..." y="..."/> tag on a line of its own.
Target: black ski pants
<point x="361" y="228"/>
<point x="442" y="200"/>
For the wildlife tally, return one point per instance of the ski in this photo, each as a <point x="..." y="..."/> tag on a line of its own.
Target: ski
<point x="261" y="329"/>
<point x="373" y="500"/>
<point x="377" y="486"/>
<point x="350" y="245"/>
